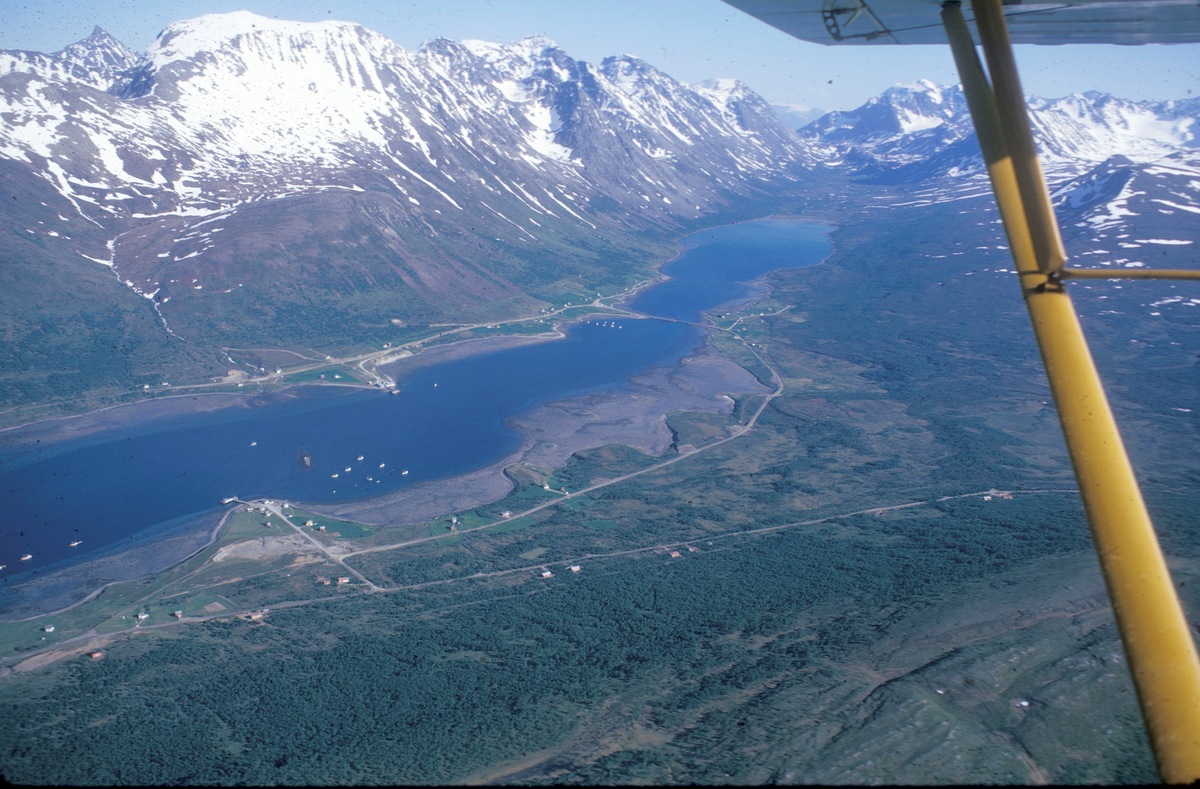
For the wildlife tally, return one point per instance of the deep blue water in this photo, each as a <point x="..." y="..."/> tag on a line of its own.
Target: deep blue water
<point x="718" y="264"/>
<point x="448" y="419"/>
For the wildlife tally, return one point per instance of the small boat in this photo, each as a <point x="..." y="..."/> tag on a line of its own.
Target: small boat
<point x="2" y="566"/>
<point x="76" y="543"/>
<point x="253" y="443"/>
<point x="333" y="476"/>
<point x="370" y="479"/>
<point x="229" y="499"/>
<point x="360" y="457"/>
<point x="27" y="557"/>
<point x="435" y="386"/>
<point x="404" y="473"/>
<point x="381" y="465"/>
<point x="346" y="469"/>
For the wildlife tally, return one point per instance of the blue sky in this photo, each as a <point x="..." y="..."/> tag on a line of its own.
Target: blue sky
<point x="691" y="40"/>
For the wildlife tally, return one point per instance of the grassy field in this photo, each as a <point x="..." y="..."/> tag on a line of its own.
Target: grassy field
<point x="331" y="374"/>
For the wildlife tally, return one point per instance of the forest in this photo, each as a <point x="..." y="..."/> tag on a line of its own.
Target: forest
<point x="891" y="647"/>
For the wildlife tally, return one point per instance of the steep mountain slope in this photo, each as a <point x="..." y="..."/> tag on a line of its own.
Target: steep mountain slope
<point x="919" y="132"/>
<point x="251" y="182"/>
<point x="1128" y="215"/>
<point x="312" y="185"/>
<point x="98" y="61"/>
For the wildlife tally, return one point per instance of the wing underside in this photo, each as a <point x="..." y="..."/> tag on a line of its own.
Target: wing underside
<point x="918" y="21"/>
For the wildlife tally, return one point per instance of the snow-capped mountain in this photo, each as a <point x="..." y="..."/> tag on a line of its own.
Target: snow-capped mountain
<point x="905" y="124"/>
<point x="224" y="96"/>
<point x="920" y="132"/>
<point x="98" y="61"/>
<point x="441" y="175"/>
<point x="1131" y="215"/>
<point x="259" y="183"/>
<point x="797" y="115"/>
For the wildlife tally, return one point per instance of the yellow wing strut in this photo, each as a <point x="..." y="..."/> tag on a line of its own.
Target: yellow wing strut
<point x="1158" y="642"/>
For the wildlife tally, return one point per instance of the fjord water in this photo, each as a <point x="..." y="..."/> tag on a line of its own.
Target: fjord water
<point x="448" y="418"/>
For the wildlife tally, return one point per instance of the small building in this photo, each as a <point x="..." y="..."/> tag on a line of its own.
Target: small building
<point x="546" y="486"/>
<point x="692" y="549"/>
<point x="547" y="574"/>
<point x="575" y="568"/>
<point x="178" y="615"/>
<point x="310" y="523"/>
<point x="48" y="629"/>
<point x="142" y="616"/>
<point x="345" y="579"/>
<point x="96" y="655"/>
<point x="256" y="616"/>
<point x="674" y="554"/>
<point x="322" y="580"/>
<point x="321" y="529"/>
<point x="506" y="514"/>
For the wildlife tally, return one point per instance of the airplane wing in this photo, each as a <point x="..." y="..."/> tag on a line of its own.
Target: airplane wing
<point x="1159" y="647"/>
<point x="919" y="21"/>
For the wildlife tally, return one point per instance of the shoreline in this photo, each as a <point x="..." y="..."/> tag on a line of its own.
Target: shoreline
<point x="431" y="353"/>
<point x="68" y="576"/>
<point x="633" y="414"/>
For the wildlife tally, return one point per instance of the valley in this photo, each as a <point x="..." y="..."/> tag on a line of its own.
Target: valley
<point x="826" y="530"/>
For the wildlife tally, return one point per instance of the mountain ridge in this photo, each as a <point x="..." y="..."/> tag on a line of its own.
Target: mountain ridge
<point x="258" y="182"/>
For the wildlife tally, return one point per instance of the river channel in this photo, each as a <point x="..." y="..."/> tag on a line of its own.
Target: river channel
<point x="108" y="489"/>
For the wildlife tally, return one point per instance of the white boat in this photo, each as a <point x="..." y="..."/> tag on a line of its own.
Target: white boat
<point x="360" y="457"/>
<point x="27" y="557"/>
<point x="346" y="469"/>
<point x="2" y="566"/>
<point x="229" y="499"/>
<point x="404" y="473"/>
<point x="381" y="465"/>
<point x="333" y="476"/>
<point x="76" y="543"/>
<point x="369" y="479"/>
<point x="253" y="443"/>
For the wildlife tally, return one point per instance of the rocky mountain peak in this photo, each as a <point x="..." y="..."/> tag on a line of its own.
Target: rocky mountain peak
<point x="922" y="131"/>
<point x="97" y="61"/>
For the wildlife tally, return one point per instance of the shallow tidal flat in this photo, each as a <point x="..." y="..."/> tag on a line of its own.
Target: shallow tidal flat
<point x="133" y="471"/>
<point x="634" y="415"/>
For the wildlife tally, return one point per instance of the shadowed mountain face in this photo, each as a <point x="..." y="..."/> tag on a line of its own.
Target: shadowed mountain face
<point x="259" y="183"/>
<point x="305" y="185"/>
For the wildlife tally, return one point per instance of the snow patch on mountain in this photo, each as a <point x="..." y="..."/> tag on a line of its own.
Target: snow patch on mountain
<point x="228" y="109"/>
<point x="98" y="61"/>
<point x="923" y="131"/>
